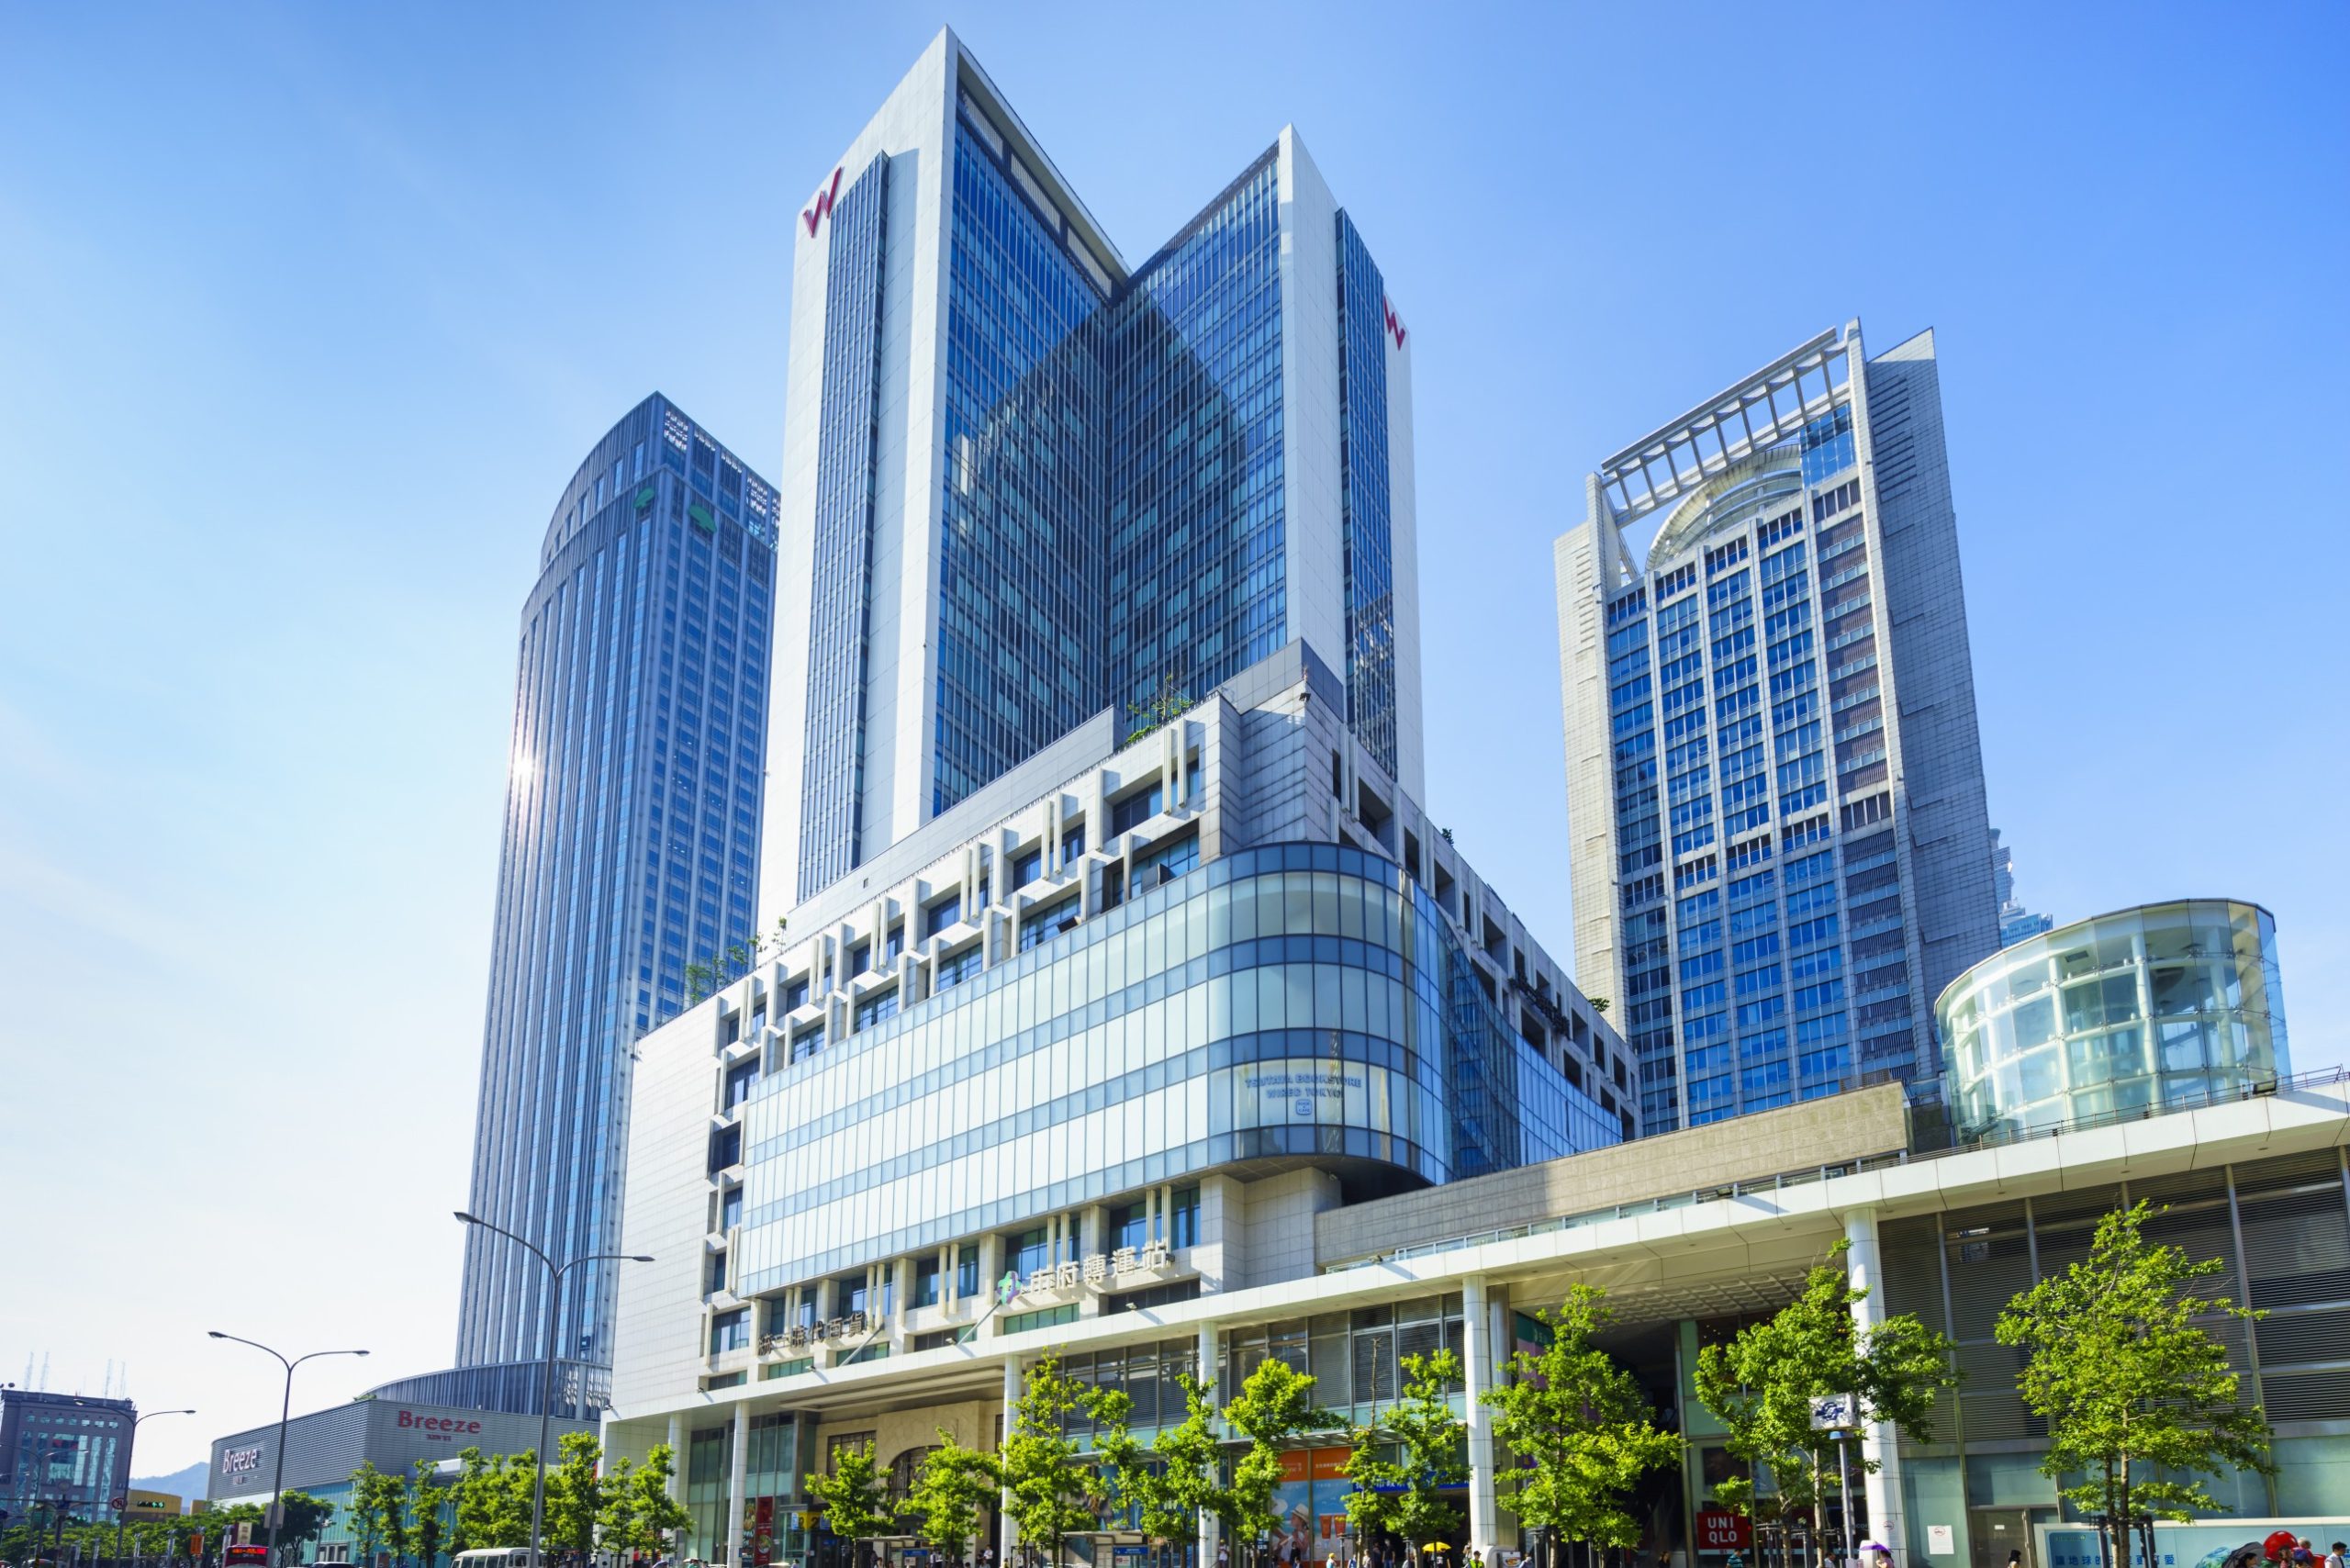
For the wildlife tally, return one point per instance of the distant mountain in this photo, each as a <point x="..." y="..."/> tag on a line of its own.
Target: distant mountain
<point x="182" y="1483"/>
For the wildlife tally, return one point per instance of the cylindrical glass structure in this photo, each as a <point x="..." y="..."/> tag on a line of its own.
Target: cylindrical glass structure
<point x="2159" y="1007"/>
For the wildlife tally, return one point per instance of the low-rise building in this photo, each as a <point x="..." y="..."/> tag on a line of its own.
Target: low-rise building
<point x="323" y="1448"/>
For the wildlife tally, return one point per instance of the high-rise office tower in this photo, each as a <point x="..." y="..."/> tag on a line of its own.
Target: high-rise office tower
<point x="1024" y="481"/>
<point x="2017" y="924"/>
<point x="631" y="850"/>
<point x="1774" y="784"/>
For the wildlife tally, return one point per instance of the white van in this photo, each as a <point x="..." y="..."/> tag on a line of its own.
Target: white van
<point x="493" y="1557"/>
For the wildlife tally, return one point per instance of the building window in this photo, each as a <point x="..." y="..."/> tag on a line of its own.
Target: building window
<point x="878" y="1007"/>
<point x="730" y="1331"/>
<point x="938" y="916"/>
<point x="1135" y="809"/>
<point x="953" y="968"/>
<point x="730" y="1208"/>
<point x="1072" y="843"/>
<point x="858" y="957"/>
<point x="740" y="1079"/>
<point x="1167" y="860"/>
<point x="1027" y="867"/>
<point x="1044" y="923"/>
<point x="725" y="1148"/>
<point x="794" y="993"/>
<point x="927" y="1274"/>
<point x="808" y="1042"/>
<point x="1184" y="1217"/>
<point x="717" y="1280"/>
<point x="966" y="1271"/>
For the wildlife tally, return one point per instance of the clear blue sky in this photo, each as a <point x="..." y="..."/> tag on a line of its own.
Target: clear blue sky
<point x="307" y="313"/>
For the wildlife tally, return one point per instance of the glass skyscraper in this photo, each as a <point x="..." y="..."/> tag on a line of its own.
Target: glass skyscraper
<point x="631" y="850"/>
<point x="1027" y="482"/>
<point x="1775" y="780"/>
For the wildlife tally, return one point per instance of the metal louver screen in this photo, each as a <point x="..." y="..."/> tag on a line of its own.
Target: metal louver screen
<point x="2308" y="1396"/>
<point x="2296" y="1245"/>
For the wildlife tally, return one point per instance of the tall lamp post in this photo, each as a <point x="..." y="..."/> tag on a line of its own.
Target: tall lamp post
<point x="277" y="1485"/>
<point x="123" y="1504"/>
<point x="546" y="1391"/>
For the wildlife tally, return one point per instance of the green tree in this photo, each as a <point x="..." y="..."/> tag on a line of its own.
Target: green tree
<point x="378" y="1511"/>
<point x="952" y="1487"/>
<point x="639" y="1513"/>
<point x="2138" y="1395"/>
<point x="1053" y="1491"/>
<point x="1274" y="1409"/>
<point x="1760" y="1385"/>
<point x="425" y="1523"/>
<point x="1577" y="1428"/>
<point x="1417" y="1448"/>
<point x="489" y="1500"/>
<point x="854" y="1498"/>
<point x="303" y="1518"/>
<point x="1169" y="701"/>
<point x="575" y="1495"/>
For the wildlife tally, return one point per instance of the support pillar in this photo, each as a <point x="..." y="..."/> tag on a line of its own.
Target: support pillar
<point x="1476" y="1351"/>
<point x="737" y="1484"/>
<point x="1880" y="1442"/>
<point x="676" y="1487"/>
<point x="1008" y="1533"/>
<point x="1209" y="1349"/>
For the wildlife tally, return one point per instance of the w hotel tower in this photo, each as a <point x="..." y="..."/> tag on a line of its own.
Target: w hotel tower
<point x="1773" y="780"/>
<point x="1024" y="481"/>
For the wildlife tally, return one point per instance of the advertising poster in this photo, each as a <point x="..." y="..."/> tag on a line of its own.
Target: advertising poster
<point x="2197" y="1545"/>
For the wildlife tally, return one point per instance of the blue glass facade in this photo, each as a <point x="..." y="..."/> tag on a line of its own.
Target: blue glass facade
<point x="1198" y="586"/>
<point x="841" y="606"/>
<point x="1766" y="958"/>
<point x="1019" y="545"/>
<point x="1303" y="1002"/>
<point x="1111" y="468"/>
<point x="630" y="848"/>
<point x="1369" y="561"/>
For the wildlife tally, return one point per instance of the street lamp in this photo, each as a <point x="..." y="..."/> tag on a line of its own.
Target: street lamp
<point x="546" y="1389"/>
<point x="277" y="1486"/>
<point x="123" y="1505"/>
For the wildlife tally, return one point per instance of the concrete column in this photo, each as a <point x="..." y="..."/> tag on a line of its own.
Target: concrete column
<point x="1477" y="1376"/>
<point x="1880" y="1443"/>
<point x="1008" y="1533"/>
<point x="1208" y="1527"/>
<point x="677" y="1459"/>
<point x="737" y="1484"/>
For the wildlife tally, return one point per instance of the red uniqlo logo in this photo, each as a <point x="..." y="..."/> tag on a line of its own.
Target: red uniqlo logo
<point x="1394" y="322"/>
<point x="816" y="214"/>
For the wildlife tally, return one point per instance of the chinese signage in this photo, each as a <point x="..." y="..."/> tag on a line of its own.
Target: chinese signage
<point x="809" y="1336"/>
<point x="1100" y="1270"/>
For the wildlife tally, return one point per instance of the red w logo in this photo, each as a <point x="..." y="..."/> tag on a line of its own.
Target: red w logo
<point x="816" y="214"/>
<point x="1394" y="322"/>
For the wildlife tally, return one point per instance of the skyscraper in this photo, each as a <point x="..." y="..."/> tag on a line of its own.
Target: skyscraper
<point x="1774" y="783"/>
<point x="2017" y="924"/>
<point x="1024" y="481"/>
<point x="631" y="849"/>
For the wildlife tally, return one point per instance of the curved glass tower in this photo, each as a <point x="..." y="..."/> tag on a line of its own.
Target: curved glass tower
<point x="631" y="851"/>
<point x="2157" y="1008"/>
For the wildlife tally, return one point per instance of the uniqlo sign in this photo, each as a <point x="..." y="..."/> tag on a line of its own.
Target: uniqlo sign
<point x="1718" y="1529"/>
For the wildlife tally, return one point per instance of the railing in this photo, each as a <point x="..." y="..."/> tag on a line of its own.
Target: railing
<point x="1781" y="1182"/>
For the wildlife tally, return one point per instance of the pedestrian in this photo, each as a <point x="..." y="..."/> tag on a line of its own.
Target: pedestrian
<point x="2339" y="1557"/>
